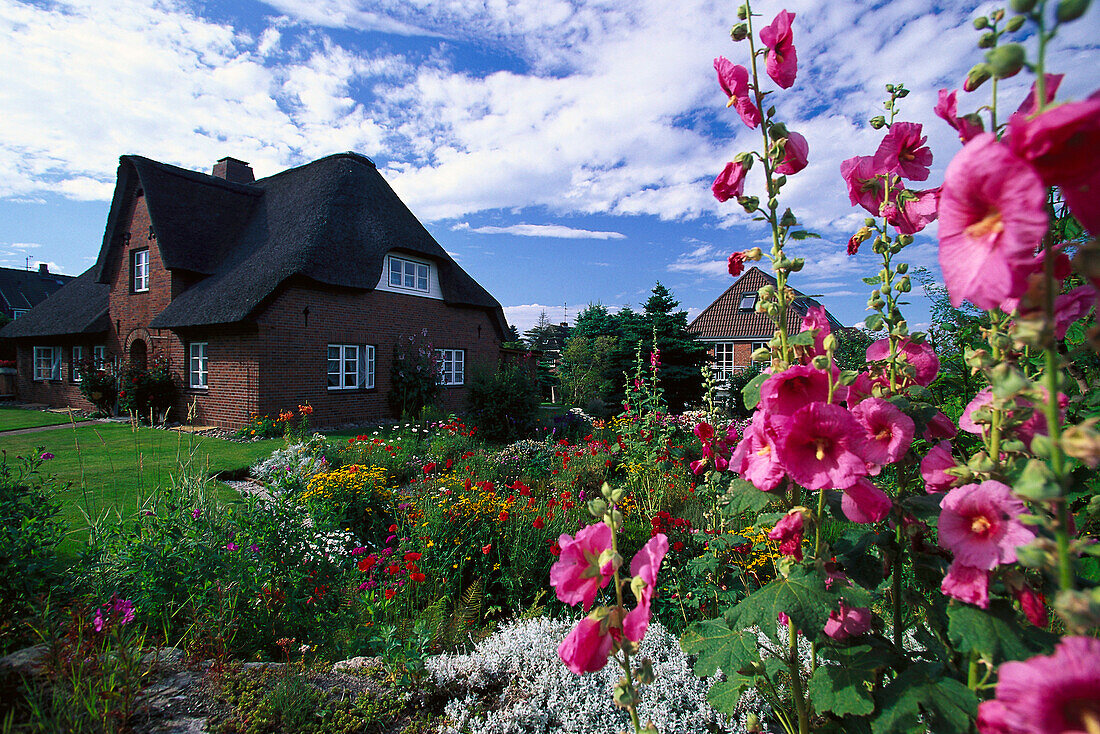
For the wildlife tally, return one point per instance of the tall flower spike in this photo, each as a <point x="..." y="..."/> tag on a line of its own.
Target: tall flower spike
<point x="782" y="62"/>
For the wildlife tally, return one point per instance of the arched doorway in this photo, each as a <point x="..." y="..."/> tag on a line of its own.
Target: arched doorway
<point x="139" y="354"/>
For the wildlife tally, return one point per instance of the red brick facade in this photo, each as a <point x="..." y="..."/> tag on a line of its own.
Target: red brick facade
<point x="275" y="361"/>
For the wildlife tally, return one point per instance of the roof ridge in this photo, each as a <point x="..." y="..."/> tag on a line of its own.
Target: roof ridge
<point x="349" y="154"/>
<point x="196" y="176"/>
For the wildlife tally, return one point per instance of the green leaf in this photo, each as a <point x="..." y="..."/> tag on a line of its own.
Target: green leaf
<point x="743" y="498"/>
<point x="801" y="339"/>
<point x="724" y="696"/>
<point x="862" y="565"/>
<point x="872" y="281"/>
<point x="845" y="689"/>
<point x="995" y="634"/>
<point x="803" y="234"/>
<point x="922" y="699"/>
<point x="718" y="646"/>
<point x="802" y="596"/>
<point x="751" y="391"/>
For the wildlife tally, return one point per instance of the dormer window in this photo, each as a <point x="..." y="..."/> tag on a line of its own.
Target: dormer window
<point x="408" y="274"/>
<point x="748" y="301"/>
<point x="139" y="266"/>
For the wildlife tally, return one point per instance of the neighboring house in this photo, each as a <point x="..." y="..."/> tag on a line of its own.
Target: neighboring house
<point x="261" y="295"/>
<point x="22" y="290"/>
<point x="733" y="329"/>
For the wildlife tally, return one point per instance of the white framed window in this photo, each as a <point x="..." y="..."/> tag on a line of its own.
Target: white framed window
<point x="196" y="364"/>
<point x="351" y="366"/>
<point x="748" y="301"/>
<point x="759" y="345"/>
<point x="99" y="355"/>
<point x="409" y="274"/>
<point x="724" y="363"/>
<point x="17" y="312"/>
<point x="47" y="363"/>
<point x="141" y="270"/>
<point x="452" y="366"/>
<point x="74" y="365"/>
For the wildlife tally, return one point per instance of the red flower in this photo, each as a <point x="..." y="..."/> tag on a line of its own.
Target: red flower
<point x="486" y="548"/>
<point x="677" y="546"/>
<point x="367" y="564"/>
<point x="393" y="528"/>
<point x="736" y="263"/>
<point x="502" y="516"/>
<point x="538" y="524"/>
<point x="411" y="556"/>
<point x="392" y="569"/>
<point x="730" y="182"/>
<point x="390" y="593"/>
<point x="417" y="577"/>
<point x="555" y="549"/>
<point x="782" y="62"/>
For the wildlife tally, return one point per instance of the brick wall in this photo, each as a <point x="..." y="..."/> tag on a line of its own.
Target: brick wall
<point x="63" y="393"/>
<point x="293" y="362"/>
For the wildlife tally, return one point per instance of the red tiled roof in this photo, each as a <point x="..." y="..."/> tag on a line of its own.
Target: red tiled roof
<point x="724" y="319"/>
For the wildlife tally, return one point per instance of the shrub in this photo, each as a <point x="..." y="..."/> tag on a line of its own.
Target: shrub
<point x="414" y="376"/>
<point x="289" y="469"/>
<point x="146" y="393"/>
<point x="98" y="386"/>
<point x="30" y="531"/>
<point x="504" y="405"/>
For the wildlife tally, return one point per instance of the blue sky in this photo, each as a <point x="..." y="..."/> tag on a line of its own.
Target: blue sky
<point x="561" y="150"/>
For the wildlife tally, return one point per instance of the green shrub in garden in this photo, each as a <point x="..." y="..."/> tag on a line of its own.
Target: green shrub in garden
<point x="98" y="386"/>
<point x="504" y="404"/>
<point x="414" y="376"/>
<point x="30" y="531"/>
<point x="146" y="392"/>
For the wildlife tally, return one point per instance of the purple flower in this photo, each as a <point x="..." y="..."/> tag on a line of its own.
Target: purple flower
<point x="195" y="513"/>
<point x="46" y="456"/>
<point x="254" y="548"/>
<point x="231" y="546"/>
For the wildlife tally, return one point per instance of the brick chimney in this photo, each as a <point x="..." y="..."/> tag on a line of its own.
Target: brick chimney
<point x="43" y="269"/>
<point x="234" y="170"/>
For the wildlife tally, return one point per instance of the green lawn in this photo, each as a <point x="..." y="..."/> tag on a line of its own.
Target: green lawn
<point x="113" y="467"/>
<point x="14" y="418"/>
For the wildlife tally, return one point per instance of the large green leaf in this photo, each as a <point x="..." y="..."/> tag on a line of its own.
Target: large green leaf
<point x="718" y="646"/>
<point x="802" y="596"/>
<point x="995" y="633"/>
<point x="743" y="498"/>
<point x="750" y="393"/>
<point x="922" y="700"/>
<point x="845" y="688"/>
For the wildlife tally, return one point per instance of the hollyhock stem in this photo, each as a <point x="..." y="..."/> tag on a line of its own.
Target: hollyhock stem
<point x="895" y="587"/>
<point x="818" y="522"/>
<point x="625" y="661"/>
<point x="773" y="205"/>
<point x="796" y="681"/>
<point x="972" y="671"/>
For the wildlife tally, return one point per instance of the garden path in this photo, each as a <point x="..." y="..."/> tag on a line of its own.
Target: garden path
<point x="36" y="429"/>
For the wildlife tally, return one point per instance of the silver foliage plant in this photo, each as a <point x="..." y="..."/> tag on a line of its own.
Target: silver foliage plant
<point x="515" y="683"/>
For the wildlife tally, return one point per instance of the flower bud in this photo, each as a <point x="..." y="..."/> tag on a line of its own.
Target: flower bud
<point x="788" y="219"/>
<point x="902" y="92"/>
<point x="597" y="507"/>
<point x="904" y="286"/>
<point x="1070" y="10"/>
<point x="976" y="77"/>
<point x="890" y="88"/>
<point x="1083" y="442"/>
<point x="903" y="268"/>
<point x="745" y="159"/>
<point x="821" y="362"/>
<point x="981" y="23"/>
<point x="644" y="672"/>
<point x="609" y="556"/>
<point x="742" y="12"/>
<point x="987" y="40"/>
<point x="1014" y="24"/>
<point x="773" y="203"/>
<point x="753" y="253"/>
<point x="869" y="222"/>
<point x="1022" y="6"/>
<point x="605" y="490"/>
<point x="761" y="355"/>
<point x="1006" y="61"/>
<point x="739" y="32"/>
<point x="878" y="122"/>
<point x="797" y="264"/>
<point x="997" y="15"/>
<point x="778" y="130"/>
<point x="829" y="343"/>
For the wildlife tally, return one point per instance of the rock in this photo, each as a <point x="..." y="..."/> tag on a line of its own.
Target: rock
<point x="357" y="663"/>
<point x="263" y="666"/>
<point x="163" y="657"/>
<point x="28" y="661"/>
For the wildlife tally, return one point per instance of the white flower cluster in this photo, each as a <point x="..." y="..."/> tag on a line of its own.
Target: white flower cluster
<point x="301" y="460"/>
<point x="515" y="683"/>
<point x="522" y="452"/>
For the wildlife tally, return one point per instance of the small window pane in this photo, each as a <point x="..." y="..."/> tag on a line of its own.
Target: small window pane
<point x="395" y="271"/>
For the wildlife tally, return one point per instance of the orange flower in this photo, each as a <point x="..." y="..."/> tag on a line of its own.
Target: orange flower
<point x="305" y="409"/>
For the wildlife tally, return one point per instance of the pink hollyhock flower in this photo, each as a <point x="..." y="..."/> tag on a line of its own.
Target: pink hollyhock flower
<point x="1047" y="694"/>
<point x="1025" y="431"/>
<point x="967" y="584"/>
<point x="735" y="83"/>
<point x="1033" y="604"/>
<point x="912" y="215"/>
<point x="861" y="389"/>
<point x="903" y="152"/>
<point x="978" y="523"/>
<point x="781" y="62"/>
<point x="586" y="647"/>
<point x="788" y="533"/>
<point x="947" y="109"/>
<point x="795" y="155"/>
<point x="755" y="458"/>
<point x="644" y="566"/>
<point x="736" y="263"/>
<point x="730" y="182"/>
<point x="863" y="502"/>
<point x="848" y="622"/>
<point x="1028" y="106"/>
<point x="992" y="217"/>
<point x="932" y="468"/>
<point x="865" y="185"/>
<point x="787" y="391"/>
<point x="939" y="427"/>
<point x="889" y="431"/>
<point x="577" y="575"/>
<point x="921" y="356"/>
<point x="1062" y="144"/>
<point x="817" y="321"/>
<point x="1068" y="307"/>
<point x="823" y="447"/>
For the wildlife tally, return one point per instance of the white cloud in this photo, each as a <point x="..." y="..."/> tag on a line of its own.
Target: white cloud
<point x="24" y="245"/>
<point x="543" y="230"/>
